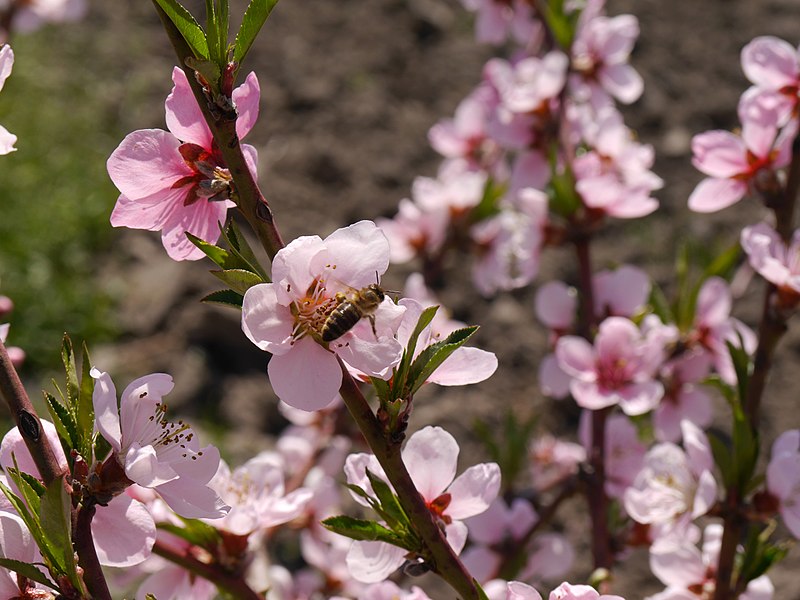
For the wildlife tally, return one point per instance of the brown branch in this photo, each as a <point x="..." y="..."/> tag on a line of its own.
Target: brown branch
<point x="27" y="421"/>
<point x="446" y="563"/>
<point x="87" y="554"/>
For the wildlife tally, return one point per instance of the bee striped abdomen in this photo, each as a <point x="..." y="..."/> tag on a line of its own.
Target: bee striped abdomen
<point x="361" y="303"/>
<point x="341" y="320"/>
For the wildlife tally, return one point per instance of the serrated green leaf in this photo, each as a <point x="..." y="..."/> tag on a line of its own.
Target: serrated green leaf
<point x="254" y="18"/>
<point x="212" y="33"/>
<point x="382" y="389"/>
<point x="29" y="493"/>
<point x="54" y="515"/>
<point x="28" y="571"/>
<point x="85" y="409"/>
<point x="225" y="298"/>
<point x="63" y="420"/>
<point x="187" y="26"/>
<point x="68" y="360"/>
<point x="239" y="246"/>
<point x="101" y="447"/>
<point x="240" y="280"/>
<point x="433" y="356"/>
<point x="219" y="256"/>
<point x="389" y="506"/>
<point x="36" y="485"/>
<point x="363" y="530"/>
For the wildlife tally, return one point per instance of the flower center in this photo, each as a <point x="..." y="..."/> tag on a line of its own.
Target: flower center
<point x="210" y="180"/>
<point x="311" y="311"/>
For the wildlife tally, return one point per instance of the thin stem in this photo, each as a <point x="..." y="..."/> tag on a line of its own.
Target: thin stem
<point x="27" y="421"/>
<point x="87" y="554"/>
<point x="226" y="582"/>
<point x="248" y="196"/>
<point x="445" y="562"/>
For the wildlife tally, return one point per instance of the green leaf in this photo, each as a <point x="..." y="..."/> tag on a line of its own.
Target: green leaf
<point x="208" y="70"/>
<point x="219" y="256"/>
<point x="743" y="366"/>
<point x="434" y="355"/>
<point x="659" y="303"/>
<point x="68" y="359"/>
<point x="390" y="508"/>
<point x="399" y="382"/>
<point x="745" y="450"/>
<point x="254" y="18"/>
<point x="363" y="530"/>
<point x="30" y="493"/>
<point x="481" y="594"/>
<point x="226" y="298"/>
<point x="188" y="27"/>
<point x="239" y="247"/>
<point x="563" y="199"/>
<point x="31" y="520"/>
<point x="64" y="422"/>
<point x="240" y="280"/>
<point x="487" y="207"/>
<point x="382" y="388"/>
<point x="722" y="457"/>
<point x="36" y="485"/>
<point x="85" y="410"/>
<point x="101" y="447"/>
<point x="212" y="29"/>
<point x="28" y="571"/>
<point x="725" y="263"/>
<point x="54" y="515"/>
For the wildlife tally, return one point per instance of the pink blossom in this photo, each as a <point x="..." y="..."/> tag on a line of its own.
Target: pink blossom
<point x="465" y="136"/>
<point x="783" y="478"/>
<point x="553" y="381"/>
<point x="256" y="494"/>
<point x="555" y="305"/>
<point x="16" y="354"/>
<point x="773" y="65"/>
<point x="735" y="163"/>
<point x="690" y="573"/>
<point x="624" y="452"/>
<point x="35" y="13"/>
<point x="286" y="317"/>
<point x="674" y="486"/>
<point x="431" y="456"/>
<point x="172" y="582"/>
<point x="497" y="19"/>
<point x="600" y="57"/>
<point x="619" y="369"/>
<point x="7" y="140"/>
<point x="496" y="527"/>
<point x="714" y="328"/>
<point x="530" y="83"/>
<point x="567" y="591"/>
<point x="614" y="176"/>
<point x="552" y="460"/>
<point x="457" y="188"/>
<point x="123" y="530"/>
<point x="773" y="259"/>
<point x="622" y="292"/>
<point x="16" y="543"/>
<point x="154" y="452"/>
<point x="176" y="181"/>
<point x="388" y="590"/>
<point x="510" y="243"/>
<point x="685" y="397"/>
<point x="415" y="232"/>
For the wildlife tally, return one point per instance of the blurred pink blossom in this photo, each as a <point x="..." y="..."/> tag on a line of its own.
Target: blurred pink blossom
<point x="619" y="369"/>
<point x="774" y="260"/>
<point x="624" y="451"/>
<point x="773" y="66"/>
<point x="498" y="19"/>
<point x="7" y="140"/>
<point x="783" y="478"/>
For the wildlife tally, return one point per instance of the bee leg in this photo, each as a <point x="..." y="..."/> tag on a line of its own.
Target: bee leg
<point x="372" y="322"/>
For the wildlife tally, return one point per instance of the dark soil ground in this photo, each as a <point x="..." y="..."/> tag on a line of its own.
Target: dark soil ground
<point x="349" y="90"/>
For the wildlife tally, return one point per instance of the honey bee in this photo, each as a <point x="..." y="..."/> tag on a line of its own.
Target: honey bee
<point x="350" y="309"/>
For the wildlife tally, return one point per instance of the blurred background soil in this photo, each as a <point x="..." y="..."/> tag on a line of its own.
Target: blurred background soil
<point x="349" y="90"/>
